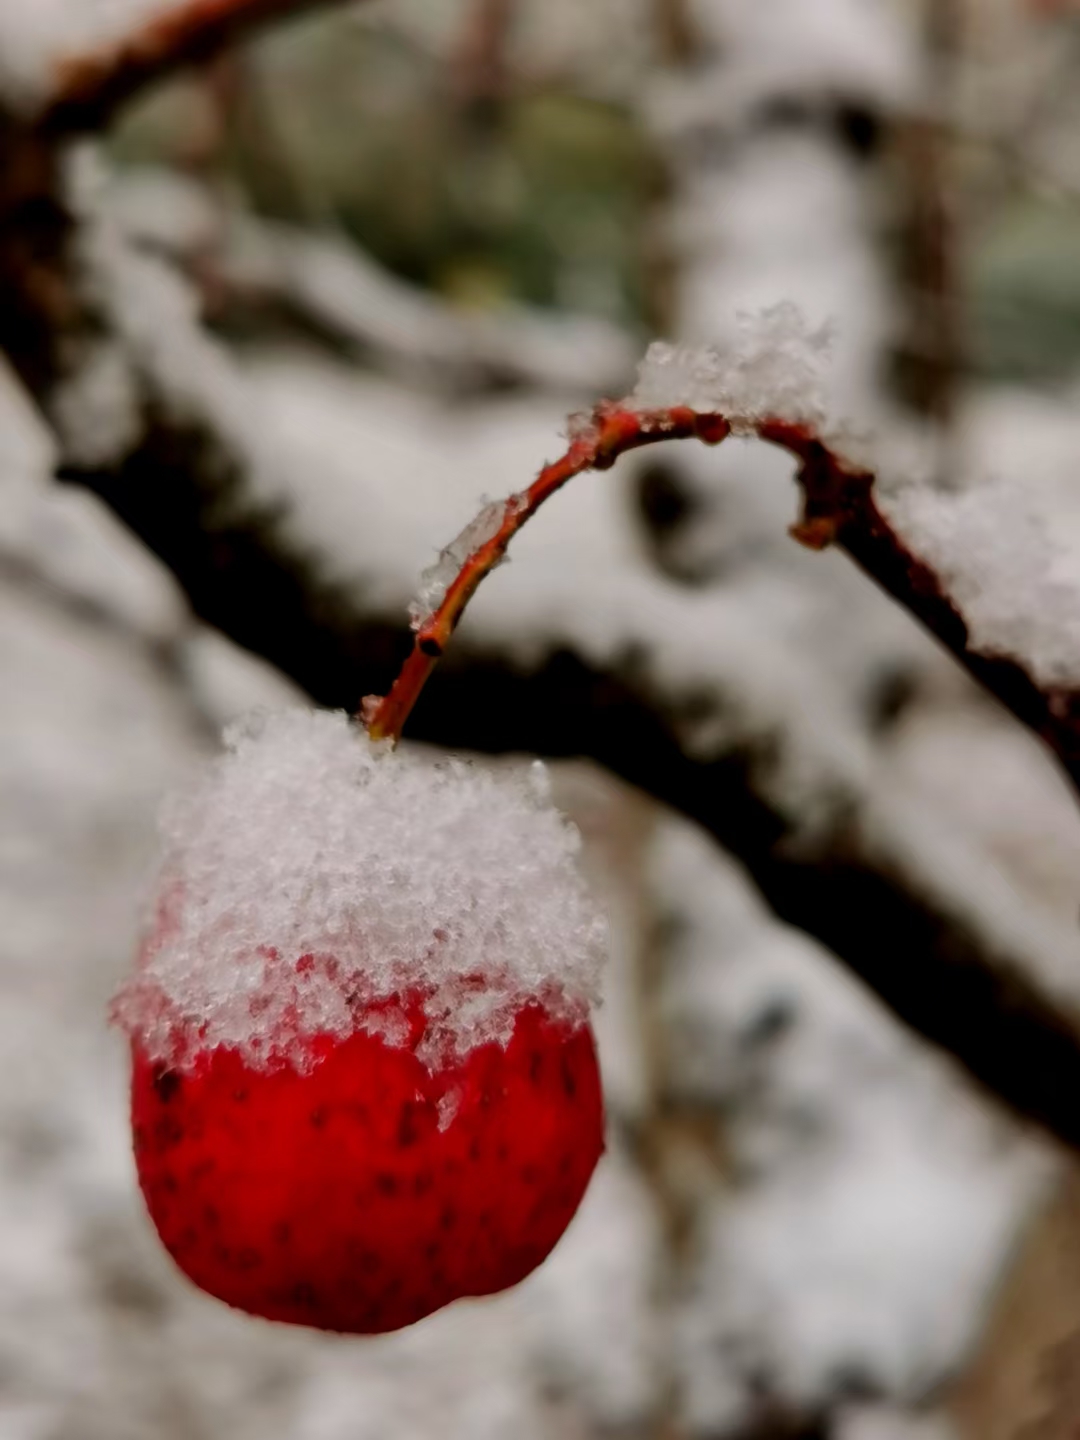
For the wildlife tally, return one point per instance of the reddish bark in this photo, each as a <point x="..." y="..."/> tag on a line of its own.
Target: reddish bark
<point x="90" y="88"/>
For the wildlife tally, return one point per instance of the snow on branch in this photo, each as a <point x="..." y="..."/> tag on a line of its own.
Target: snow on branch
<point x="982" y="585"/>
<point x="87" y="85"/>
<point x="1026" y="651"/>
<point x="974" y="568"/>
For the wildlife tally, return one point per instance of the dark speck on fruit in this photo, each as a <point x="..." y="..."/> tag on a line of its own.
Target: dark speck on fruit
<point x="408" y="1131"/>
<point x="166" y="1084"/>
<point x="386" y="1184"/>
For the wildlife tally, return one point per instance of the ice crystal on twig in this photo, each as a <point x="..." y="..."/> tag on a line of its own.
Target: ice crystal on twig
<point x="436" y="579"/>
<point x="773" y="371"/>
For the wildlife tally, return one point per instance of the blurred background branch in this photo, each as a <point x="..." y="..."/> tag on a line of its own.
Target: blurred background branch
<point x="88" y="89"/>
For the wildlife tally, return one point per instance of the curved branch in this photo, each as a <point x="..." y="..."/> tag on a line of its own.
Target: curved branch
<point x="611" y="432"/>
<point x="90" y="88"/>
<point x="839" y="509"/>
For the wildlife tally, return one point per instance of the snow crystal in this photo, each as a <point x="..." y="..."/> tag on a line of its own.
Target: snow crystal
<point x="582" y="427"/>
<point x="312" y="875"/>
<point x="773" y="371"/>
<point x="437" y="578"/>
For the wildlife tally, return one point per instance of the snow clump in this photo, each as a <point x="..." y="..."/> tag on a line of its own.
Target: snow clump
<point x="313" y="880"/>
<point x="1008" y="563"/>
<point x="775" y="370"/>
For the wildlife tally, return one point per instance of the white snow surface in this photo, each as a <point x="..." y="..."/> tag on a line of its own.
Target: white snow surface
<point x="313" y="873"/>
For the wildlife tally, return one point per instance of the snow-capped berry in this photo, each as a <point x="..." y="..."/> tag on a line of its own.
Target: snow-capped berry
<point x="364" y="1079"/>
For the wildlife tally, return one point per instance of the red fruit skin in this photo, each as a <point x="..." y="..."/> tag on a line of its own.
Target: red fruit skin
<point x="332" y="1198"/>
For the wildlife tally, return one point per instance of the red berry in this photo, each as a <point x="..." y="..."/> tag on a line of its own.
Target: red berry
<point x="364" y="1079"/>
<point x="364" y="1190"/>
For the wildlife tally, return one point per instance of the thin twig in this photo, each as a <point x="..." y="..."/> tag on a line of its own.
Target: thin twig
<point x="612" y="432"/>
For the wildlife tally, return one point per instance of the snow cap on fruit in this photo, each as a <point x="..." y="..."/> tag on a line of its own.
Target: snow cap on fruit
<point x="312" y="880"/>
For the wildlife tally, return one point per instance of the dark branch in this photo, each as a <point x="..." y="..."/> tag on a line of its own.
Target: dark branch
<point x="839" y="508"/>
<point x="91" y="88"/>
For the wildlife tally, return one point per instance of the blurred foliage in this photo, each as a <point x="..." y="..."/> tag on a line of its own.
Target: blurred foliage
<point x="542" y="196"/>
<point x="1023" y="291"/>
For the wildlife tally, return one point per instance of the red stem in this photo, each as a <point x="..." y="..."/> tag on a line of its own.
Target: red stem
<point x="611" y="432"/>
